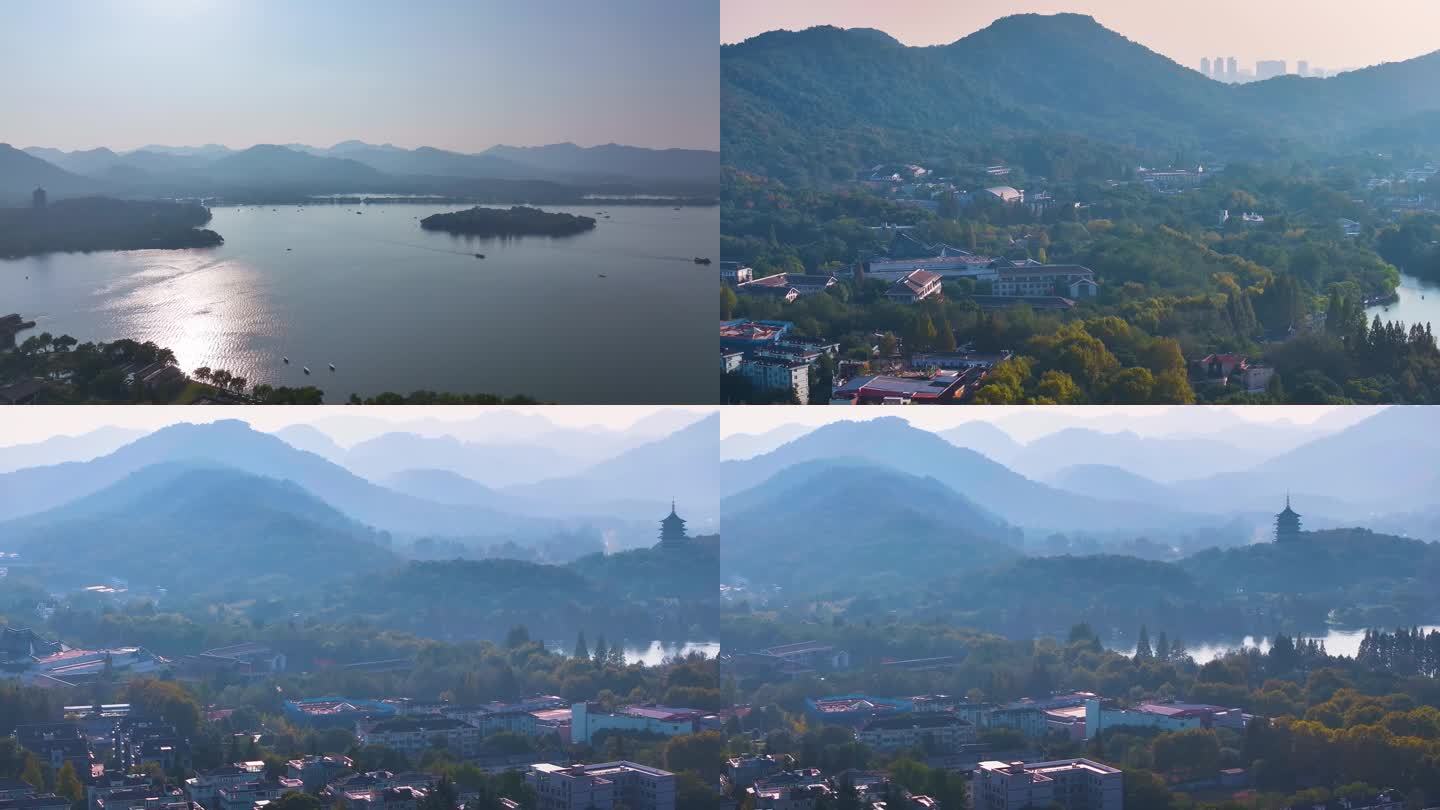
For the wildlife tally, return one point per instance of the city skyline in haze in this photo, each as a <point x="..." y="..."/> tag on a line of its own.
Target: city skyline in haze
<point x="450" y="74"/>
<point x="1327" y="34"/>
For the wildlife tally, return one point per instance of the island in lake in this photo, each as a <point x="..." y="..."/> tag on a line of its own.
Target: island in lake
<point x="103" y="223"/>
<point x="519" y="220"/>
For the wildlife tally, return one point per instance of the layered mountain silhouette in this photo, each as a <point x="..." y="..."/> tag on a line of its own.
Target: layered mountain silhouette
<point x="347" y="167"/>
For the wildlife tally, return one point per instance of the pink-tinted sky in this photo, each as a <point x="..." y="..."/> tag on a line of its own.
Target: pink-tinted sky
<point x="1327" y="33"/>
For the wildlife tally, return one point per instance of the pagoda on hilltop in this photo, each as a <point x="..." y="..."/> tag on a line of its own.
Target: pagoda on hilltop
<point x="672" y="530"/>
<point x="1287" y="524"/>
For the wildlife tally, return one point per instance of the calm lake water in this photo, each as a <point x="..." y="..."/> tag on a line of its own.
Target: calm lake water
<point x="1419" y="303"/>
<point x="1337" y="642"/>
<point x="396" y="308"/>
<point x="652" y="655"/>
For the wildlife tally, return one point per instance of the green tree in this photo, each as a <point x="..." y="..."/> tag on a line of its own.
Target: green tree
<point x="67" y="784"/>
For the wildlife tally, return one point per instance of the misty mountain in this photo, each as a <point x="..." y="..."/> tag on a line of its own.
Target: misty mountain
<point x="493" y="465"/>
<point x="89" y="162"/>
<point x="443" y="486"/>
<point x="614" y="160"/>
<point x="192" y="529"/>
<point x="641" y="482"/>
<point x="267" y="165"/>
<point x="741" y="446"/>
<point x="21" y="173"/>
<point x="1156" y="458"/>
<point x="1105" y="481"/>
<point x="236" y="445"/>
<point x="984" y="438"/>
<point x="312" y="440"/>
<point x="428" y="160"/>
<point x="829" y="524"/>
<point x="892" y="442"/>
<point x="1385" y="462"/>
<point x="209" y="151"/>
<point x="1017" y="84"/>
<point x="57" y="449"/>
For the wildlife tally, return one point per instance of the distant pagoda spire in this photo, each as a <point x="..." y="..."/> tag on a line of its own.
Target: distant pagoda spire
<point x="1287" y="524"/>
<point x="672" y="528"/>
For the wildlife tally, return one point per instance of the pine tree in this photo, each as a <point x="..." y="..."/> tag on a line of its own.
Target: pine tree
<point x="1162" y="647"/>
<point x="581" y="650"/>
<point x="67" y="784"/>
<point x="1142" y="646"/>
<point x="602" y="653"/>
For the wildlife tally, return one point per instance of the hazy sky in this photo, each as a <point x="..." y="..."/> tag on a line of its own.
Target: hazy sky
<point x="34" y="424"/>
<point x="453" y="74"/>
<point x="1327" y="33"/>
<point x="1027" y="422"/>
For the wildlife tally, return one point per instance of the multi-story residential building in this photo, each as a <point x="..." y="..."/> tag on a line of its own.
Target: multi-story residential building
<point x="136" y="740"/>
<point x="743" y="771"/>
<point x="734" y="273"/>
<point x="318" y="771"/>
<point x="417" y="733"/>
<point x="244" y="795"/>
<point x="778" y="375"/>
<point x="400" y="797"/>
<point x="587" y="719"/>
<point x="639" y="787"/>
<point x="558" y="787"/>
<point x="937" y="732"/>
<point x="601" y="787"/>
<point x="204" y="787"/>
<point x="56" y="744"/>
<point x="1072" y="784"/>
<point x="1066" y="280"/>
<point x="359" y="787"/>
<point x="914" y="286"/>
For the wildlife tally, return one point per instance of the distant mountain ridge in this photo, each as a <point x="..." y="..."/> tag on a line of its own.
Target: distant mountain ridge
<point x="810" y="106"/>
<point x="347" y="167"/>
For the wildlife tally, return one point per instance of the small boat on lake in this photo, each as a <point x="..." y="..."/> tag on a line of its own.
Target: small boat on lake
<point x="332" y="366"/>
<point x="699" y="260"/>
<point x="307" y="369"/>
<point x="286" y="359"/>
<point x="479" y="255"/>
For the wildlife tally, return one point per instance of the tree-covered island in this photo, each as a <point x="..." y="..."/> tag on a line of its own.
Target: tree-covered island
<point x="519" y="220"/>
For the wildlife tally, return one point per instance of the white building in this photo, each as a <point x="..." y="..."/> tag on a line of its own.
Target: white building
<point x="734" y="273"/>
<point x="1162" y="716"/>
<point x="779" y="375"/>
<point x="1074" y="784"/>
<point x="1031" y="280"/>
<point x="600" y="787"/>
<point x="586" y="720"/>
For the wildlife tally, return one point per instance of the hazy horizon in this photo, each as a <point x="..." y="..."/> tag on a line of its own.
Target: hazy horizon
<point x="1026" y="422"/>
<point x="450" y="74"/>
<point x="1325" y="33"/>
<point x="328" y="145"/>
<point x="39" y="423"/>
